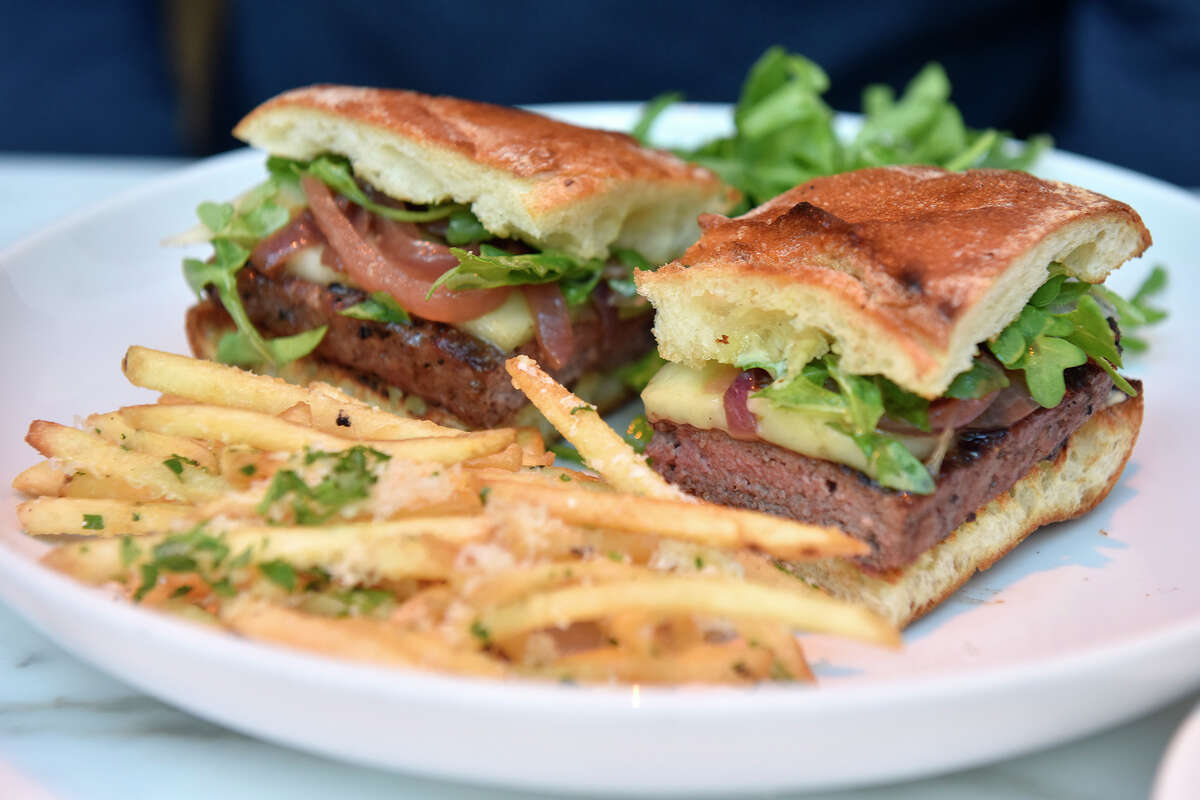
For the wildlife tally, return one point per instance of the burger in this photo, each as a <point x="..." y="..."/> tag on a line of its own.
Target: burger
<point x="923" y="358"/>
<point x="403" y="246"/>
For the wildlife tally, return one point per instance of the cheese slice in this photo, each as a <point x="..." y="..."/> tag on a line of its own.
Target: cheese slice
<point x="696" y="397"/>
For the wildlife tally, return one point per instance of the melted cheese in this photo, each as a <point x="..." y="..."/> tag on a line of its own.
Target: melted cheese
<point x="696" y="397"/>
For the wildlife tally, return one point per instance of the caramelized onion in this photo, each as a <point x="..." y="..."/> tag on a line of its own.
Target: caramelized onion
<point x="741" y="423"/>
<point x="271" y="252"/>
<point x="552" y="323"/>
<point x="375" y="272"/>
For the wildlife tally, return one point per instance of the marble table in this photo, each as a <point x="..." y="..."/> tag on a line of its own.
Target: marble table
<point x="68" y="731"/>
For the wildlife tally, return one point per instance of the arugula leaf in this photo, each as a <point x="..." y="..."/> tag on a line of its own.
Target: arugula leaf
<point x="639" y="433"/>
<point x="631" y="260"/>
<point x="379" y="307"/>
<point x="906" y="406"/>
<point x="495" y="267"/>
<point x="784" y="132"/>
<point x="650" y="112"/>
<point x="892" y="464"/>
<point x="861" y="394"/>
<point x="981" y="379"/>
<point x="464" y="227"/>
<point x="237" y="349"/>
<point x="637" y="374"/>
<point x="235" y="231"/>
<point x="1061" y="327"/>
<point x="279" y="572"/>
<point x="856" y="409"/>
<point x="335" y="172"/>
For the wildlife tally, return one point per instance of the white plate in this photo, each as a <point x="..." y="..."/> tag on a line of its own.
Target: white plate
<point x="1086" y="625"/>
<point x="1178" y="775"/>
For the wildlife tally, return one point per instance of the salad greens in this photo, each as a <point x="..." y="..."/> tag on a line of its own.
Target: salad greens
<point x="379" y="307"/>
<point x="577" y="277"/>
<point x="854" y="404"/>
<point x="784" y="133"/>
<point x="1062" y="326"/>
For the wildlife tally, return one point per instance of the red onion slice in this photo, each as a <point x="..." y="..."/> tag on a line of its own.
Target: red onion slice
<point x="371" y="270"/>
<point x="552" y="322"/>
<point x="740" y="421"/>
<point x="271" y="252"/>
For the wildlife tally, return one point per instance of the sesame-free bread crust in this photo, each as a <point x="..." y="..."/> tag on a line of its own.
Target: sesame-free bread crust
<point x="1072" y="484"/>
<point x="524" y="175"/>
<point x="904" y="270"/>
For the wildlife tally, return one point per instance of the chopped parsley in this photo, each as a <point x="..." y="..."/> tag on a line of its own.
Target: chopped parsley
<point x="175" y="464"/>
<point x="350" y="478"/>
<point x="280" y="573"/>
<point x="93" y="522"/>
<point x="479" y="631"/>
<point x="248" y="470"/>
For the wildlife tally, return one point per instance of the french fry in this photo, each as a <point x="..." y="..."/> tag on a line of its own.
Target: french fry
<point x="695" y="522"/>
<point x="800" y="608"/>
<point x="411" y="548"/>
<point x="726" y="662"/>
<point x="358" y="639"/>
<point x="489" y="590"/>
<point x="507" y="460"/>
<point x="43" y="478"/>
<point x="270" y="433"/>
<point x="602" y="448"/>
<point x="533" y="448"/>
<point x="104" y="459"/>
<point x="790" y="663"/>
<point x="113" y="428"/>
<point x="58" y="515"/>
<point x="84" y="485"/>
<point x="298" y="414"/>
<point x="211" y="383"/>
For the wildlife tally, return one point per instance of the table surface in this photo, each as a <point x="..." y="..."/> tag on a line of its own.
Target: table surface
<point x="70" y="731"/>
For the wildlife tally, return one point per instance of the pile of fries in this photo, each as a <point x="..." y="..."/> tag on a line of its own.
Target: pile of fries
<point x="305" y="517"/>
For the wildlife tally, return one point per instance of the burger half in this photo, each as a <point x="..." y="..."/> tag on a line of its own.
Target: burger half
<point x="922" y="358"/>
<point x="403" y="246"/>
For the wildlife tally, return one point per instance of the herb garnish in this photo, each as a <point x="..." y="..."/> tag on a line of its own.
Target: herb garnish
<point x="379" y="307"/>
<point x="854" y="405"/>
<point x="93" y="522"/>
<point x="235" y="231"/>
<point x="784" y="132"/>
<point x="349" y="479"/>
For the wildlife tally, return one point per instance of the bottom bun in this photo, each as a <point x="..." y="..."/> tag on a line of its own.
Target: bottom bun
<point x="1073" y="483"/>
<point x="207" y="322"/>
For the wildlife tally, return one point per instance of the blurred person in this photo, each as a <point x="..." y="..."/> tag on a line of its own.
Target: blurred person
<point x="1116" y="80"/>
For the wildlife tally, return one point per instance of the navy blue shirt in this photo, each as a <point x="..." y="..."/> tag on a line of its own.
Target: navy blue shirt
<point x="1115" y="80"/>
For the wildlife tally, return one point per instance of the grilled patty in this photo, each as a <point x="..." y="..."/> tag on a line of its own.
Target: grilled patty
<point x="899" y="526"/>
<point x="437" y="362"/>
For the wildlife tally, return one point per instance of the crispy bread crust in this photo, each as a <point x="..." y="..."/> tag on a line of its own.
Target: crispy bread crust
<point x="1074" y="483"/>
<point x="526" y="175"/>
<point x="912" y="266"/>
<point x="525" y="145"/>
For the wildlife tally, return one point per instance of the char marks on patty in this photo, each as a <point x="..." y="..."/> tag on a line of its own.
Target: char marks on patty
<point x="435" y="361"/>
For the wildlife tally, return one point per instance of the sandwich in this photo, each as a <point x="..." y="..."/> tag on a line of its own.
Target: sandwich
<point x="403" y="246"/>
<point x="925" y="359"/>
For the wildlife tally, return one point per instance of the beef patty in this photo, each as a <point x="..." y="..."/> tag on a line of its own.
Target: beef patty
<point x="898" y="526"/>
<point x="437" y="362"/>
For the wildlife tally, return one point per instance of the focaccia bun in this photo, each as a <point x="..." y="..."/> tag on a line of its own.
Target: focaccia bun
<point x="902" y="270"/>
<point x="525" y="176"/>
<point x="1068" y="486"/>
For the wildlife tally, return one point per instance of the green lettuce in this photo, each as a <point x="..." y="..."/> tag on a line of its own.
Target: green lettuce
<point x="784" y="131"/>
<point x="234" y="232"/>
<point x="854" y="404"/>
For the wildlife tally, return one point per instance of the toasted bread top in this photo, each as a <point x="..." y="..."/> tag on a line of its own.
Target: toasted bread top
<point x="524" y="175"/>
<point x="901" y="270"/>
